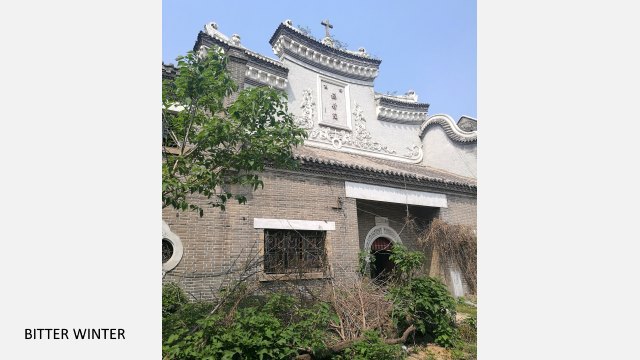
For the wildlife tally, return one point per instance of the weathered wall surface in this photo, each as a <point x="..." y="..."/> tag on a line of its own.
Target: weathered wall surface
<point x="461" y="210"/>
<point x="443" y="153"/>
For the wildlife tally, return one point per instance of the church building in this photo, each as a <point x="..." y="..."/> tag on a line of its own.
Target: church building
<point x="374" y="170"/>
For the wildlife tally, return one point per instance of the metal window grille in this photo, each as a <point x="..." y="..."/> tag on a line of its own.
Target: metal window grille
<point x="381" y="244"/>
<point x="167" y="250"/>
<point x="294" y="251"/>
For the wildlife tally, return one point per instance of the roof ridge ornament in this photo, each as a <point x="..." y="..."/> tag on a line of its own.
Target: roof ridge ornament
<point x="328" y="40"/>
<point x="211" y="28"/>
<point x="327" y="25"/>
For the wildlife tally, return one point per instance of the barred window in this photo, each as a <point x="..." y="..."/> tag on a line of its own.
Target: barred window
<point x="294" y="251"/>
<point x="167" y="250"/>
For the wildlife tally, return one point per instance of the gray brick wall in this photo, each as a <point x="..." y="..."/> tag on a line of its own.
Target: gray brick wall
<point x="213" y="242"/>
<point x="237" y="66"/>
<point x="221" y="240"/>
<point x="461" y="210"/>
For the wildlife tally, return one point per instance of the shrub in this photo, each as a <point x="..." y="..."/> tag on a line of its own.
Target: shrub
<point x="276" y="329"/>
<point x="406" y="262"/>
<point x="365" y="262"/>
<point x="372" y="347"/>
<point x="172" y="298"/>
<point x="425" y="303"/>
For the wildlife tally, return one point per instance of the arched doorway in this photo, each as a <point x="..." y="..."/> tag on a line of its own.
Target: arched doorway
<point x="381" y="265"/>
<point x="378" y="243"/>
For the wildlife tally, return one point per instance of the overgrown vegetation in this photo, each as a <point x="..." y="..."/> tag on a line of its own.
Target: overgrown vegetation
<point x="351" y="318"/>
<point x="426" y="303"/>
<point x="456" y="245"/>
<point x="372" y="347"/>
<point x="276" y="327"/>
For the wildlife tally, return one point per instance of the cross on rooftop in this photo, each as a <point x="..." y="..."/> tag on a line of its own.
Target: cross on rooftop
<point x="327" y="26"/>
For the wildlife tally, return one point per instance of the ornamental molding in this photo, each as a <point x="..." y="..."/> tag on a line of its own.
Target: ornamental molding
<point x="287" y="46"/>
<point x="359" y="141"/>
<point x="401" y="109"/>
<point x="378" y="232"/>
<point x="308" y="109"/>
<point x="330" y="73"/>
<point x="450" y="128"/>
<point x="400" y="116"/>
<point x="287" y="28"/>
<point x="266" y="78"/>
<point x="267" y="62"/>
<point x="291" y="42"/>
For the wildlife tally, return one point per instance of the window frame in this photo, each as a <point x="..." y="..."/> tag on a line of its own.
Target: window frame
<point x="298" y="251"/>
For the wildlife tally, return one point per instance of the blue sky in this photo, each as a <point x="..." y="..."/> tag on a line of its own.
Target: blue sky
<point x="427" y="46"/>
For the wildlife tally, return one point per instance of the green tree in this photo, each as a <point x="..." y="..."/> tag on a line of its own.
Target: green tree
<point x="209" y="145"/>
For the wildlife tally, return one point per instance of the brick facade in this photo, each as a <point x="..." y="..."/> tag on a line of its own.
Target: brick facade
<point x="213" y="242"/>
<point x="461" y="210"/>
<point x="221" y="240"/>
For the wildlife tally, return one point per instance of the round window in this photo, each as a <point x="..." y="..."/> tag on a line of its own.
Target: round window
<point x="171" y="249"/>
<point x="167" y="250"/>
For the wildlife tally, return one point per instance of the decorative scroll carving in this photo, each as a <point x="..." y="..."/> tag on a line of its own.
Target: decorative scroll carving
<point x="415" y="152"/>
<point x="306" y="120"/>
<point x="361" y="138"/>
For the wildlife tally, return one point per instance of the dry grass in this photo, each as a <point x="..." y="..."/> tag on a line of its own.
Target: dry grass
<point x="455" y="244"/>
<point x="360" y="304"/>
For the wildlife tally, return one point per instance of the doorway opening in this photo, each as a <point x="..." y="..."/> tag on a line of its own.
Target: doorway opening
<point x="381" y="266"/>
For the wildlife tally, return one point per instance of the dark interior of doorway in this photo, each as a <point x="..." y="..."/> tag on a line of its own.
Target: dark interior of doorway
<point x="381" y="265"/>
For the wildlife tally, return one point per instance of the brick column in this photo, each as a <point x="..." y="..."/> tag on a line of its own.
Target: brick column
<point x="237" y="66"/>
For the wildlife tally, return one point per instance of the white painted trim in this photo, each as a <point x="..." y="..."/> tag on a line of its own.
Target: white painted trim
<point x="286" y="224"/>
<point x="394" y="195"/>
<point x="177" y="248"/>
<point x="378" y="232"/>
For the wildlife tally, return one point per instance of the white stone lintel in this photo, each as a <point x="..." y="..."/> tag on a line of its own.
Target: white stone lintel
<point x="394" y="195"/>
<point x="286" y="224"/>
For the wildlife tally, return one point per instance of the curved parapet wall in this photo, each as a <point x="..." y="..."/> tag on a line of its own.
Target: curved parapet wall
<point x="451" y="129"/>
<point x="448" y="147"/>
